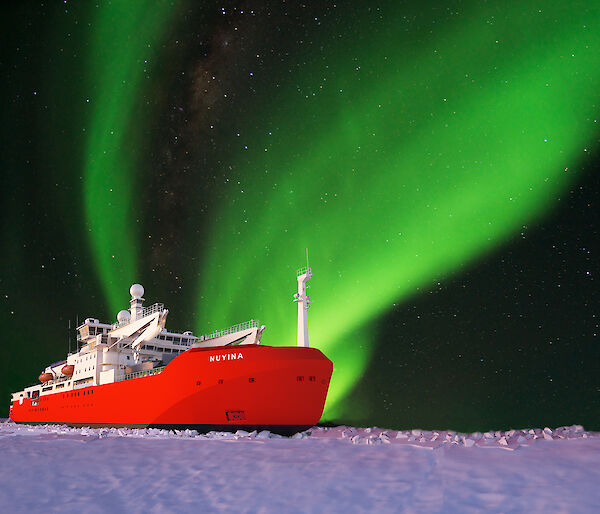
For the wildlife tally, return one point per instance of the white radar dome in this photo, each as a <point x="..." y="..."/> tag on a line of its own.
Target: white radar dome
<point x="123" y="316"/>
<point x="136" y="291"/>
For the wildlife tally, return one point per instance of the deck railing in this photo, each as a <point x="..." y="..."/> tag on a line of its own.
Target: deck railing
<point x="253" y="323"/>
<point x="146" y="311"/>
<point x="144" y="373"/>
<point x="156" y="307"/>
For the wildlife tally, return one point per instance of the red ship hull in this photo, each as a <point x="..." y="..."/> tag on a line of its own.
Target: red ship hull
<point x="282" y="389"/>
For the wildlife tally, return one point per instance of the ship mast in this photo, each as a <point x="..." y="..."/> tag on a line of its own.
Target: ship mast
<point x="301" y="298"/>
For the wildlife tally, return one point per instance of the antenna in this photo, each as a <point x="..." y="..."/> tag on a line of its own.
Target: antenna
<point x="69" y="337"/>
<point x="307" y="257"/>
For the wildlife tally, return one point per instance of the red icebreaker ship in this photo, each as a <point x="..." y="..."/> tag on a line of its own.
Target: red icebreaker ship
<point x="137" y="374"/>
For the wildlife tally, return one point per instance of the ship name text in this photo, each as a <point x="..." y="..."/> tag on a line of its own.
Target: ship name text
<point x="225" y="357"/>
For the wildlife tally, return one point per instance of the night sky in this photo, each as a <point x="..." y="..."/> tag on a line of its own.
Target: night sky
<point x="439" y="160"/>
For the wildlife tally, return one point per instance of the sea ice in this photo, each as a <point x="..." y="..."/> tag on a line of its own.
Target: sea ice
<point x="52" y="468"/>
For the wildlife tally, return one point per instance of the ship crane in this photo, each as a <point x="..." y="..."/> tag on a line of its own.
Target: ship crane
<point x="141" y="325"/>
<point x="147" y="328"/>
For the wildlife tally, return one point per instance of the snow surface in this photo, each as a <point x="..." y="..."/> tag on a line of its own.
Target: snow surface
<point x="59" y="469"/>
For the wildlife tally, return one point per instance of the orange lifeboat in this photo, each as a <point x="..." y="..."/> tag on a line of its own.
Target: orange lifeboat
<point x="44" y="377"/>
<point x="67" y="370"/>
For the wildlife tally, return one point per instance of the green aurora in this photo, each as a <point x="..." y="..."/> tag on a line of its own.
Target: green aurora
<point x="126" y="37"/>
<point x="396" y="159"/>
